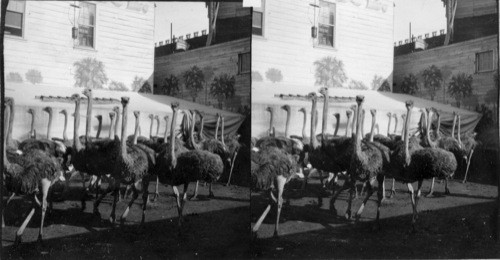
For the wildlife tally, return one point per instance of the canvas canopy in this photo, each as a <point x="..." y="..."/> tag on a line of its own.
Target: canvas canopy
<point x="383" y="102"/>
<point x="25" y="96"/>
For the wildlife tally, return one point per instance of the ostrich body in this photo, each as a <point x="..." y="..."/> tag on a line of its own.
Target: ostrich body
<point x="420" y="164"/>
<point x="289" y="145"/>
<point x="36" y="171"/>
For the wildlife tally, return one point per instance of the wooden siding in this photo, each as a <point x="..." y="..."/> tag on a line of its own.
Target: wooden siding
<point x="124" y="42"/>
<point x="459" y="57"/>
<point x="363" y="42"/>
<point x="223" y="58"/>
<point x="469" y="8"/>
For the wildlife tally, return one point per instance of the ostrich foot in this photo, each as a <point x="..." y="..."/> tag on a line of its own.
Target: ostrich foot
<point x="430" y="195"/>
<point x="195" y="197"/>
<point x="275" y="234"/>
<point x="447" y="192"/>
<point x="393" y="192"/>
<point x="211" y="195"/>
<point x="18" y="240"/>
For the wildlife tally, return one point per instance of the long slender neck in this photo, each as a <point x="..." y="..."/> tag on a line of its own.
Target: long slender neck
<point x="200" y="133"/>
<point x="89" y="117"/>
<point x="287" y="124"/>
<point x="117" y="120"/>
<point x="453" y="128"/>
<point x="165" y="136"/>
<point x="172" y="139"/>
<point x="362" y="123"/>
<point x="438" y="134"/>
<point x="389" y="125"/>
<point x="358" y="136"/>
<point x="65" y="136"/>
<point x="406" y="135"/>
<point x="304" y="125"/>
<point x="157" y="126"/>
<point x="124" y="131"/>
<point x="271" y="122"/>
<point x="404" y="125"/>
<point x="49" y="126"/>
<point x="136" y="130"/>
<point x="313" y="141"/>
<point x="337" y="122"/>
<point x="428" y="130"/>
<point x="32" y="132"/>
<point x="111" y="126"/>
<point x="151" y="128"/>
<point x="191" y="134"/>
<point x="77" y="146"/>
<point x="347" y="128"/>
<point x="99" y="127"/>
<point x="325" y="115"/>
<point x="222" y="131"/>
<point x="11" y="121"/>
<point x="458" y="133"/>
<point x="395" y="124"/>
<point x="353" y="125"/>
<point x="217" y="128"/>
<point x="7" y="116"/>
<point x="372" y="131"/>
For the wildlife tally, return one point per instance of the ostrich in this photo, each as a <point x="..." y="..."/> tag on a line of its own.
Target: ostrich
<point x="11" y="143"/>
<point x="184" y="166"/>
<point x="348" y="113"/>
<point x="366" y="165"/>
<point x="157" y="118"/>
<point x="151" y="116"/>
<point x="415" y="165"/>
<point x="32" y="133"/>
<point x="303" y="137"/>
<point x="112" y="124"/>
<point x="35" y="171"/>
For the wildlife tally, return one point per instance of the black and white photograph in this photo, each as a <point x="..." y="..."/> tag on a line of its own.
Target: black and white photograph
<point x="250" y="129"/>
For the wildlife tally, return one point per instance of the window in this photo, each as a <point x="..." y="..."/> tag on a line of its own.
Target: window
<point x="14" y="18"/>
<point x="484" y="61"/>
<point x="326" y="24"/>
<point x="86" y="25"/>
<point x="244" y="63"/>
<point x="258" y="19"/>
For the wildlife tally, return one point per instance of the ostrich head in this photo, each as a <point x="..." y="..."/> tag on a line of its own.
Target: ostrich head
<point x="337" y="116"/>
<point x="353" y="108"/>
<point x="75" y="97"/>
<point x="373" y="112"/>
<point x="157" y="117"/>
<point x="47" y="109"/>
<point x="409" y="104"/>
<point x="87" y="92"/>
<point x="8" y="101"/>
<point x="116" y="109"/>
<point x="395" y="116"/>
<point x="200" y="113"/>
<point x="303" y="110"/>
<point x="99" y="117"/>
<point x="151" y="116"/>
<point x="286" y="108"/>
<point x="112" y="115"/>
<point x="175" y="106"/>
<point x="64" y="112"/>
<point x="125" y="100"/>
<point x="389" y="114"/>
<point x="348" y="113"/>
<point x="323" y="91"/>
<point x="137" y="114"/>
<point x="31" y="111"/>
<point x="312" y="95"/>
<point x="269" y="109"/>
<point x="360" y="99"/>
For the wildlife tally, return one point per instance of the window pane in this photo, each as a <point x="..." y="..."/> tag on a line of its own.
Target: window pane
<point x="16" y="6"/>
<point x="257" y="19"/>
<point x="244" y="63"/>
<point x="484" y="61"/>
<point x="325" y="35"/>
<point x="86" y="36"/>
<point x="87" y="14"/>
<point x="14" y="20"/>
<point x="327" y="13"/>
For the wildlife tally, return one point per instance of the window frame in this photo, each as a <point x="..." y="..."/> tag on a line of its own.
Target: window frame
<point x="476" y="61"/>
<point x="334" y="25"/>
<point x="23" y="22"/>
<point x="240" y="63"/>
<point x="94" y="31"/>
<point x="260" y="10"/>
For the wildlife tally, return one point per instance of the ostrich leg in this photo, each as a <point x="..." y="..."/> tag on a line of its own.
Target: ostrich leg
<point x="431" y="191"/>
<point x="260" y="220"/>
<point x="5" y="206"/>
<point x="157" y="193"/>
<point x="393" y="190"/>
<point x="369" y="186"/>
<point x="468" y="163"/>
<point x="281" y="186"/>
<point x="413" y="204"/>
<point x="135" y="195"/>
<point x="349" y="202"/>
<point x="116" y="190"/>
<point x="145" y="195"/>
<point x="45" y="192"/>
<point x="26" y="221"/>
<point x="345" y="186"/>
<point x="195" y="195"/>
<point x="232" y="166"/>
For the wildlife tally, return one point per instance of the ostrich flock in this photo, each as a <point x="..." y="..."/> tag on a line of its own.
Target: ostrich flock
<point x="31" y="167"/>
<point x="369" y="159"/>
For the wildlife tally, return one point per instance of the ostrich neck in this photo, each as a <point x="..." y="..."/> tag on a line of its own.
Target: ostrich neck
<point x="337" y="121"/>
<point x="271" y="122"/>
<point x="89" y="117"/>
<point x="389" y="125"/>
<point x="76" y="140"/>
<point x="165" y="136"/>
<point x="287" y="124"/>
<point x="117" y="120"/>
<point x="65" y="136"/>
<point x="458" y="132"/>
<point x="372" y="131"/>
<point x="304" y="125"/>
<point x="395" y="125"/>
<point x="217" y="128"/>
<point x="111" y="126"/>
<point x="406" y="137"/>
<point x="313" y="141"/>
<point x="453" y="127"/>
<point x="49" y="126"/>
<point x="438" y="134"/>
<point x="325" y="116"/>
<point x="7" y="117"/>
<point x="357" y="143"/>
<point x="222" y="132"/>
<point x="191" y="134"/>
<point x="353" y="125"/>
<point x="403" y="129"/>
<point x="11" y="121"/>
<point x="157" y="126"/>
<point x="99" y="128"/>
<point x="136" y="130"/>
<point x="347" y="128"/>
<point x="200" y="133"/>
<point x="362" y="124"/>
<point x="428" y="130"/>
<point x="151" y="128"/>
<point x="32" y="131"/>
<point x="172" y="139"/>
<point x="124" y="131"/>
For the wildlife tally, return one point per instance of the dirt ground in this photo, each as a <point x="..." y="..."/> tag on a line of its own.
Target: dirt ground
<point x="212" y="229"/>
<point x="452" y="226"/>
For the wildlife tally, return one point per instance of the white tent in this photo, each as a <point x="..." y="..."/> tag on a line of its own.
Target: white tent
<point x="383" y="102"/>
<point x="28" y="96"/>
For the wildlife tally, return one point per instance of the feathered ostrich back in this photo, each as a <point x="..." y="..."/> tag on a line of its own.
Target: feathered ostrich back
<point x="268" y="163"/>
<point x="196" y="165"/>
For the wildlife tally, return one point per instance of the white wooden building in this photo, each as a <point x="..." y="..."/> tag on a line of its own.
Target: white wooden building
<point x="40" y="47"/>
<point x="357" y="32"/>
